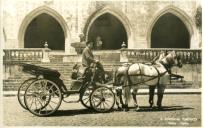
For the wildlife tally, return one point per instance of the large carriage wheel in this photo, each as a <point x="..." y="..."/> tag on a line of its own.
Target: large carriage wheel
<point x="102" y="99"/>
<point x="21" y="91"/>
<point x="43" y="97"/>
<point x="85" y="96"/>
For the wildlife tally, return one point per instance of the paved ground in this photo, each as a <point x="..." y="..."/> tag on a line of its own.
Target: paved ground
<point x="179" y="110"/>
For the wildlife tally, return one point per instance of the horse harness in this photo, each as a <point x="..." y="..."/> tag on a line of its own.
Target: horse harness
<point x="127" y="76"/>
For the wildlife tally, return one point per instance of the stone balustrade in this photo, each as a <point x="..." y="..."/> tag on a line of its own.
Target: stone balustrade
<point x="188" y="56"/>
<point x="26" y="54"/>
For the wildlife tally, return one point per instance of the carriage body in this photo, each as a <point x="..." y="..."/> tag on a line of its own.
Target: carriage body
<point x="47" y="90"/>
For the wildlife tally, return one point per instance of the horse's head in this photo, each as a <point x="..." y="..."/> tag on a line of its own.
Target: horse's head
<point x="172" y="59"/>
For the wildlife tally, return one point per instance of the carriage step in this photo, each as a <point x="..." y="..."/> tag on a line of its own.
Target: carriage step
<point x="72" y="91"/>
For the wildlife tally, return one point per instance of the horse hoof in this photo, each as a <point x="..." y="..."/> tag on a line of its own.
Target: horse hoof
<point x="119" y="108"/>
<point x="125" y="109"/>
<point x="151" y="107"/>
<point x="159" y="107"/>
<point x="137" y="109"/>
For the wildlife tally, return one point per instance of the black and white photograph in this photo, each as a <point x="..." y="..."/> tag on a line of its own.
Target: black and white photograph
<point x="101" y="63"/>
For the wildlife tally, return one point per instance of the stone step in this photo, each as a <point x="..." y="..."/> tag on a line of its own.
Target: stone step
<point x="65" y="69"/>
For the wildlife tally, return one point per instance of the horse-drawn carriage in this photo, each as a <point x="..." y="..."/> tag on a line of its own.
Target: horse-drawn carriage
<point x="42" y="95"/>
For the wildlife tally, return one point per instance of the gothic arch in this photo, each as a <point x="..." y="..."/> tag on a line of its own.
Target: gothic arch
<point x="108" y="9"/>
<point x="175" y="11"/>
<point x="29" y="17"/>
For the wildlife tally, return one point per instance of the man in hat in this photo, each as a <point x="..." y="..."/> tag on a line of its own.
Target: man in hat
<point x="88" y="57"/>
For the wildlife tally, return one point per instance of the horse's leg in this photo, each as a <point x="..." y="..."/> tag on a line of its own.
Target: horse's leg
<point x="118" y="94"/>
<point x="134" y="94"/>
<point x="126" y="98"/>
<point x="151" y="95"/>
<point x="160" y="93"/>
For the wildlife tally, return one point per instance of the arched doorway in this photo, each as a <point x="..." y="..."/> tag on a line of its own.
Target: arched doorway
<point x="44" y="28"/>
<point x="170" y="32"/>
<point x="111" y="31"/>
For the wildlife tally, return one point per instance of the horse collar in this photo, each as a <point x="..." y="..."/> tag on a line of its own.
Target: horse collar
<point x="166" y="66"/>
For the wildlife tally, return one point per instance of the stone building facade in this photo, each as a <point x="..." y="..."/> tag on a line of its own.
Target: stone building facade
<point x="142" y="26"/>
<point x="136" y="18"/>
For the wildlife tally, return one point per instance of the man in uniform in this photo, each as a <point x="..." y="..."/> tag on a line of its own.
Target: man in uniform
<point x="87" y="55"/>
<point x="88" y="58"/>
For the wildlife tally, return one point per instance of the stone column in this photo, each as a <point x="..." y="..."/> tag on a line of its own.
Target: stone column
<point x="45" y="53"/>
<point x="123" y="55"/>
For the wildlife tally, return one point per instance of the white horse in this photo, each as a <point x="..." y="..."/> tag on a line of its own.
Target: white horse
<point x="128" y="78"/>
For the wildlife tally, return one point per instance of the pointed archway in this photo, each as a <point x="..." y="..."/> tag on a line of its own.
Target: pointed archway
<point x="44" y="28"/>
<point x="52" y="14"/>
<point x="110" y="30"/>
<point x="170" y="32"/>
<point x="118" y="16"/>
<point x="181" y="16"/>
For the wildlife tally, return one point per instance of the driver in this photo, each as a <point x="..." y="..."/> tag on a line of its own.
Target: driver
<point x="88" y="57"/>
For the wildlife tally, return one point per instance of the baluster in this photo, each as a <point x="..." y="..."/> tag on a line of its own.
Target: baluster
<point x="20" y="55"/>
<point x="192" y="57"/>
<point x="32" y="56"/>
<point x="188" y="56"/>
<point x="25" y="55"/>
<point x="28" y="55"/>
<point x="37" y="55"/>
<point x="196" y="56"/>
<point x="8" y="54"/>
<point x="143" y="54"/>
<point x="151" y="54"/>
<point x="12" y="54"/>
<point x="133" y="54"/>
<point x="200" y="55"/>
<point x="17" y="54"/>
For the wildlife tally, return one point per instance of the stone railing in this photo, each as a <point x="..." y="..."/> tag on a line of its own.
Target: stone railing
<point x="26" y="54"/>
<point x="188" y="56"/>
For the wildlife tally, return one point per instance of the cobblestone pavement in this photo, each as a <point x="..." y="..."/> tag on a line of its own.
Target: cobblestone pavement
<point x="179" y="110"/>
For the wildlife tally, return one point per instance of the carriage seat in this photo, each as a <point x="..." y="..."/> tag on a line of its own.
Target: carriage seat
<point x="78" y="72"/>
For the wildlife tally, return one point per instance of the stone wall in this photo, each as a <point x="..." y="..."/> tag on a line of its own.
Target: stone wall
<point x="76" y="16"/>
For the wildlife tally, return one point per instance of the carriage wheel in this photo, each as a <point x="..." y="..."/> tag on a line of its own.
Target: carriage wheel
<point x="43" y="97"/>
<point x="102" y="99"/>
<point x="85" y="96"/>
<point x="21" y="91"/>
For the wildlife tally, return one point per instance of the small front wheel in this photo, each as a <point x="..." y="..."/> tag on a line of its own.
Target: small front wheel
<point x="85" y="96"/>
<point x="102" y="99"/>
